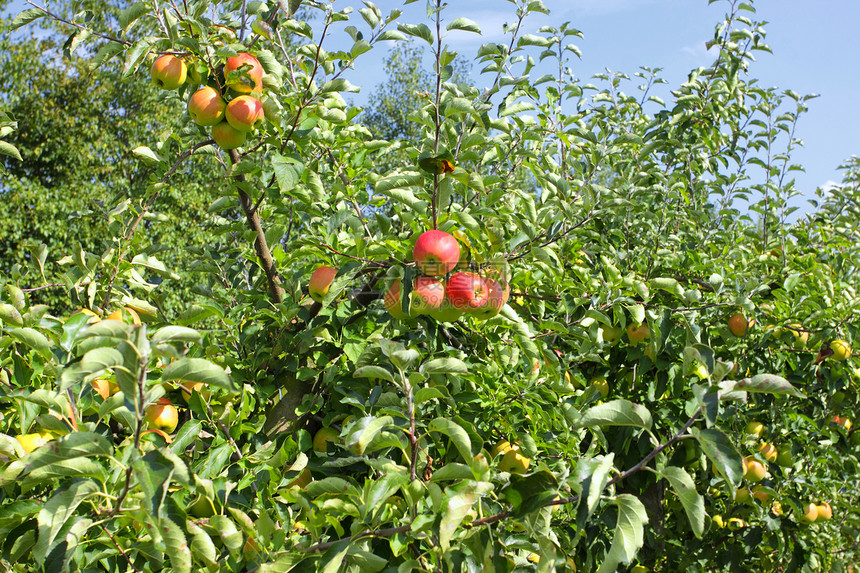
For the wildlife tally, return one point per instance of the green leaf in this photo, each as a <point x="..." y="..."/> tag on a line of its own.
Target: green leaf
<point x="592" y="474"/>
<point x="201" y="545"/>
<point x="418" y="31"/>
<point x="373" y="372"/>
<point x="149" y="157"/>
<point x="197" y="370"/>
<point x="130" y="15"/>
<point x="629" y="533"/>
<point x="50" y="458"/>
<point x="26" y="17"/>
<point x="7" y="148"/>
<point x="180" y="333"/>
<point x="616" y="413"/>
<point x="177" y="545"/>
<point x="364" y="431"/>
<point x="339" y="85"/>
<point x="464" y="24"/>
<point x="34" y="339"/>
<point x="58" y="513"/>
<point x="768" y="384"/>
<point x="457" y="434"/>
<point x="446" y="365"/>
<point x="10" y="315"/>
<point x="719" y="449"/>
<point x="694" y="504"/>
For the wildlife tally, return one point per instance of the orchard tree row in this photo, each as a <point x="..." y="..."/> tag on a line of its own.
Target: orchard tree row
<point x="537" y="322"/>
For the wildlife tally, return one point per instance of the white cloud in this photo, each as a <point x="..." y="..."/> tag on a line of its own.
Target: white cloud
<point x="700" y="55"/>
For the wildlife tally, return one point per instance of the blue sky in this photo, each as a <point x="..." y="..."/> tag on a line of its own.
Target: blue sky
<point x="816" y="49"/>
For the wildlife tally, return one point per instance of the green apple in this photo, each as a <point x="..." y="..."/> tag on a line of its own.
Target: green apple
<point x="754" y="428"/>
<point x="637" y="334"/>
<point x="841" y="350"/>
<point x="226" y="137"/>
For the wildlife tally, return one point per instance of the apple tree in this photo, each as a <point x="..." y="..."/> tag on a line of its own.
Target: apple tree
<point x="640" y="361"/>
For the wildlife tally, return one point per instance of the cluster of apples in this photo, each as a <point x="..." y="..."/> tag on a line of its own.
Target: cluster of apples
<point x="436" y="255"/>
<point x="231" y="121"/>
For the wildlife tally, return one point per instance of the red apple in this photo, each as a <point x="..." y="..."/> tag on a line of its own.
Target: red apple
<point x="244" y="74"/>
<point x="436" y="253"/>
<point x="206" y="106"/>
<point x="226" y="137"/>
<point x="467" y="291"/>
<point x="393" y="303"/>
<point x="244" y="113"/>
<point x="320" y="282"/>
<point x="495" y="300"/>
<point x="168" y="72"/>
<point x="427" y="295"/>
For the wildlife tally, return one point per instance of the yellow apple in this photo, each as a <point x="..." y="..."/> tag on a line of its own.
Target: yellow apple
<point x="636" y="334"/>
<point x="823" y="512"/>
<point x="162" y="416"/>
<point x="810" y="513"/>
<point x="761" y="494"/>
<point x="801" y="337"/>
<point x="512" y="460"/>
<point x="104" y="388"/>
<point x="841" y="350"/>
<point x="768" y="451"/>
<point x="755" y="471"/>
<point x="601" y="385"/>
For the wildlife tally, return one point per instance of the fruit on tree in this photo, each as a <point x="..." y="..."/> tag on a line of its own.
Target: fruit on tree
<point x="249" y="73"/>
<point x="162" y="416"/>
<point x="32" y="441"/>
<point x="742" y="495"/>
<point x="393" y="302"/>
<point x="320" y="282"/>
<point x="823" y="512"/>
<point x="841" y="350"/>
<point x="436" y="252"/>
<point x="718" y="521"/>
<point x="755" y="470"/>
<point x="768" y="451"/>
<point x="495" y="300"/>
<point x="244" y="113"/>
<point x="467" y="291"/>
<point x="428" y="294"/>
<point x="784" y="457"/>
<point x="206" y="107"/>
<point x="446" y="312"/>
<point x="810" y="513"/>
<point x="841" y="421"/>
<point x="227" y="137"/>
<point x="168" y="72"/>
<point x="754" y="428"/>
<point x="761" y="494"/>
<point x="601" y="384"/>
<point x="533" y="558"/>
<point x="104" y="388"/>
<point x="637" y="334"/>
<point x="610" y="333"/>
<point x="512" y="460"/>
<point x="801" y="337"/>
<point x="738" y="324"/>
<point x="188" y="388"/>
<point x="322" y="438"/>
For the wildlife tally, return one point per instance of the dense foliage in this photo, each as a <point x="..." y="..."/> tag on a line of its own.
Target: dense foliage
<point x="599" y="422"/>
